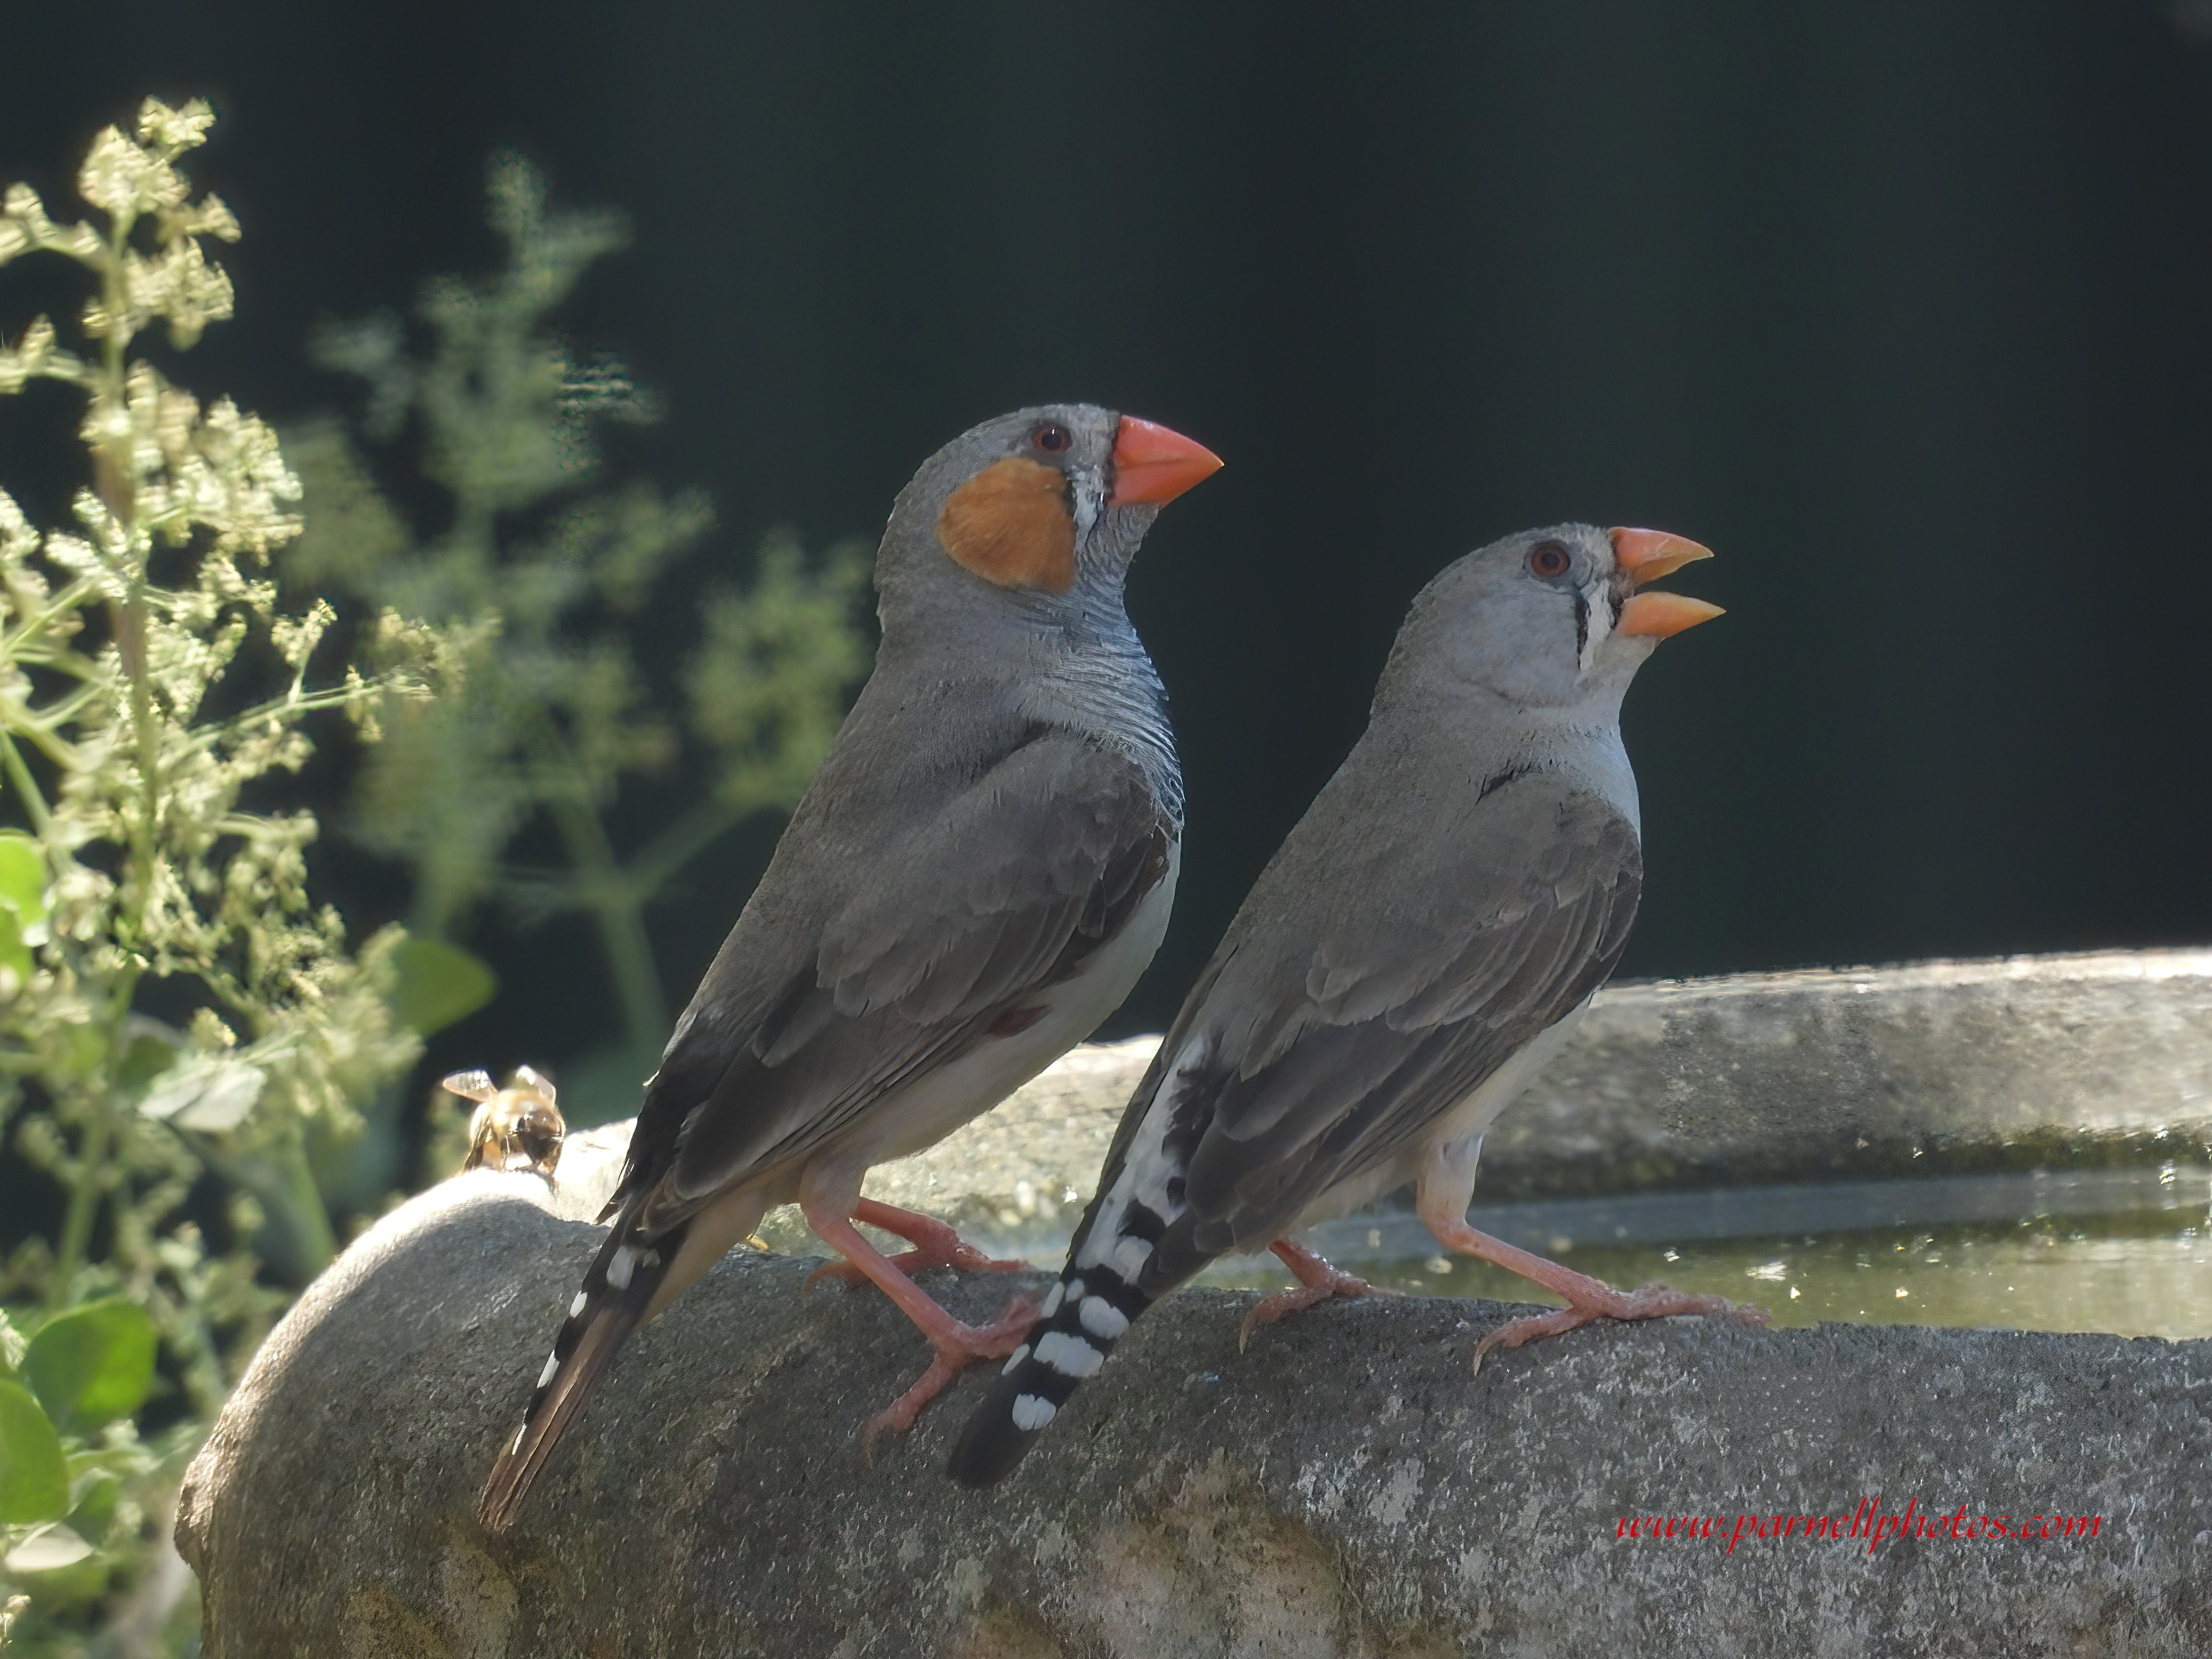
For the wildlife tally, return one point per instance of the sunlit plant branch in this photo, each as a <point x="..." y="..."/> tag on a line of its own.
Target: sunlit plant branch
<point x="135" y="725"/>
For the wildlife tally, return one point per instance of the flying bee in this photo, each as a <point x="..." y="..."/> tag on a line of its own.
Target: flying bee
<point x="518" y="1128"/>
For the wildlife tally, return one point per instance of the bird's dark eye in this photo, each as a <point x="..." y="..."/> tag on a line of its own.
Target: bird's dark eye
<point x="1549" y="559"/>
<point x="1051" y="439"/>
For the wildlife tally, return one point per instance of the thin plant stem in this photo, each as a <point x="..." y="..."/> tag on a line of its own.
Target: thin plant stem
<point x="34" y="801"/>
<point x="620" y="919"/>
<point x="677" y="843"/>
<point x="303" y="1199"/>
<point x="83" y="1207"/>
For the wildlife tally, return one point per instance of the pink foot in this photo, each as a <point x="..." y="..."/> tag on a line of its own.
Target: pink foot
<point x="1318" y="1280"/>
<point x="1587" y="1298"/>
<point x="955" y="1343"/>
<point x="993" y="1342"/>
<point x="1652" y="1302"/>
<point x="935" y="1245"/>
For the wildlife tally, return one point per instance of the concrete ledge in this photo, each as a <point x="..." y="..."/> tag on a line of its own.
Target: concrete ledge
<point x="1343" y="1488"/>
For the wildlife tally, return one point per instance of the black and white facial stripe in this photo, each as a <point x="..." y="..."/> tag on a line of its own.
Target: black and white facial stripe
<point x="1597" y="613"/>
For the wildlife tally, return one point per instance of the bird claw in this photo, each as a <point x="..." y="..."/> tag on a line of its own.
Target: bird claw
<point x="935" y="1245"/>
<point x="954" y="1350"/>
<point x="1271" y="1309"/>
<point x="1652" y="1302"/>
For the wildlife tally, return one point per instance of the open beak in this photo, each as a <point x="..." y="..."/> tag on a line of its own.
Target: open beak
<point x="1646" y="555"/>
<point x="1153" y="463"/>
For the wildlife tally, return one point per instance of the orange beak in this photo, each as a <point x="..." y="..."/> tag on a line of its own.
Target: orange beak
<point x="1646" y="555"/>
<point x="1153" y="463"/>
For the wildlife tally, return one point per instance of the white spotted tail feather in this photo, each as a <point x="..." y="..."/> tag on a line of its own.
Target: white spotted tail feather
<point x="613" y="1300"/>
<point x="1115" y="1270"/>
<point x="1082" y="1318"/>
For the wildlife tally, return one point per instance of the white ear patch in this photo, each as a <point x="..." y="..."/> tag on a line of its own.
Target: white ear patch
<point x="1597" y="609"/>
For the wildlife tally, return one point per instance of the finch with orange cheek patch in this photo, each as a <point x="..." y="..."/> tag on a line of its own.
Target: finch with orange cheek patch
<point x="979" y="873"/>
<point x="1425" y="939"/>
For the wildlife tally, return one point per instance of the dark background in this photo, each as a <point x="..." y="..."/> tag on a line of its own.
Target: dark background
<point x="1905" y="308"/>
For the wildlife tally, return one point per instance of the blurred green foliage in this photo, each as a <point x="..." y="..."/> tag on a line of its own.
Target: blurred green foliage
<point x="173" y="1005"/>
<point x="68" y="1453"/>
<point x="545" y="573"/>
<point x="191" y="1049"/>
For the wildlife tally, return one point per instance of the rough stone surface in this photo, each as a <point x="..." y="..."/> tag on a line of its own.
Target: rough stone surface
<point x="1343" y="1488"/>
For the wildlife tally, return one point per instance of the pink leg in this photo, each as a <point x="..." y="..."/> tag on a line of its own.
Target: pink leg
<point x="1587" y="1298"/>
<point x="935" y="1245"/>
<point x="1317" y="1281"/>
<point x="956" y="1344"/>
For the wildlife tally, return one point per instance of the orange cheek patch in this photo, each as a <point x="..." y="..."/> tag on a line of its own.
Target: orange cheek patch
<point x="1009" y="524"/>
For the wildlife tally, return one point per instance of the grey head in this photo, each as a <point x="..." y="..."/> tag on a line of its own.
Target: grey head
<point x="1031" y="518"/>
<point x="1547" y="621"/>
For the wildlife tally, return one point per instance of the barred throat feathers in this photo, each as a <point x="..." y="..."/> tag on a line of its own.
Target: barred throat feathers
<point x="1102" y="685"/>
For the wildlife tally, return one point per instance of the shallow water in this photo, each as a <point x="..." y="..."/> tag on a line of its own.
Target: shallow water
<point x="2126" y="1251"/>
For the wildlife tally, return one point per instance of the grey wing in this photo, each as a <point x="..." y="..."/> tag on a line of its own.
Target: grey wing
<point x="949" y="939"/>
<point x="1345" y="1048"/>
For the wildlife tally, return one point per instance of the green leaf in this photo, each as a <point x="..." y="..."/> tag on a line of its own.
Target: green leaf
<point x="438" y="984"/>
<point x="146" y="1058"/>
<point x="97" y="1496"/>
<point x="209" y="1094"/>
<point x="15" y="955"/>
<point x="23" y="882"/>
<point x="34" y="1481"/>
<point x="92" y="1365"/>
<point x="84" y="1048"/>
<point x="22" y="902"/>
<point x="46" y="1549"/>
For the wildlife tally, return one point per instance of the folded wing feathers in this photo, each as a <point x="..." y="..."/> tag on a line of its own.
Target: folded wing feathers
<point x="904" y="980"/>
<point x="1262" y="1098"/>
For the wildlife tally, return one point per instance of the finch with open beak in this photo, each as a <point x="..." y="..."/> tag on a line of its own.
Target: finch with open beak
<point x="1426" y="938"/>
<point x="977" y="875"/>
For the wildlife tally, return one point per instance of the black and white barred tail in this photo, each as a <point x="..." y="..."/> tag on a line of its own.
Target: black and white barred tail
<point x="1083" y="1317"/>
<point x="613" y="1299"/>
